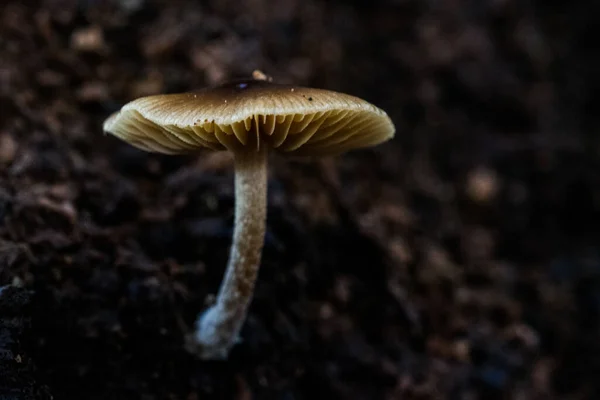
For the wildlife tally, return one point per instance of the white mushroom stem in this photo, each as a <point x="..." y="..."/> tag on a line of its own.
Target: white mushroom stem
<point x="218" y="328"/>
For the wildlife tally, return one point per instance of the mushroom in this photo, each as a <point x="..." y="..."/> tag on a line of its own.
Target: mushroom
<point x="250" y="118"/>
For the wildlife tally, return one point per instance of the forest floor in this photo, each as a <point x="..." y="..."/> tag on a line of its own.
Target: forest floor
<point x="458" y="261"/>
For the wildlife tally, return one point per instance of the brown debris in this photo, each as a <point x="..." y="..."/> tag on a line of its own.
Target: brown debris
<point x="8" y="148"/>
<point x="88" y="39"/>
<point x="482" y="185"/>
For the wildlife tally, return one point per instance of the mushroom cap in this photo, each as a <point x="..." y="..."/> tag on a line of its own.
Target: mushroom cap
<point x="250" y="113"/>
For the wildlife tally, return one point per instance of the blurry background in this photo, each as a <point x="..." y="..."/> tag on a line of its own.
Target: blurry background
<point x="459" y="261"/>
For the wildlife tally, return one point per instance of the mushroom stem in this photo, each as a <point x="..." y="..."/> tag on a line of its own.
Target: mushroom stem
<point x="218" y="328"/>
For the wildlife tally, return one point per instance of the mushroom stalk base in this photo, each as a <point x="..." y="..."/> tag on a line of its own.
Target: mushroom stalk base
<point x="218" y="328"/>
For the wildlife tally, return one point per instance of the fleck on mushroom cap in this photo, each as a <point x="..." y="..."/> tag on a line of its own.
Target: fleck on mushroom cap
<point x="247" y="114"/>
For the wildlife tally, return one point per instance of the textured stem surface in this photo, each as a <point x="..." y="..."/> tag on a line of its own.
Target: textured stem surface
<point x="218" y="328"/>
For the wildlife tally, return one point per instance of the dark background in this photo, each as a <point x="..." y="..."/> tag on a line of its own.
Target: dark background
<point x="458" y="261"/>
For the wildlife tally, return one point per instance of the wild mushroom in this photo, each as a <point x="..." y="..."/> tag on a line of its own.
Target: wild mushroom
<point x="249" y="118"/>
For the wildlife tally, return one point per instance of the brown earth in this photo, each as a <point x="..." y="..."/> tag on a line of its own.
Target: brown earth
<point x="459" y="261"/>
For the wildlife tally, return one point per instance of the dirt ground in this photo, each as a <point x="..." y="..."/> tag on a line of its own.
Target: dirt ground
<point x="458" y="261"/>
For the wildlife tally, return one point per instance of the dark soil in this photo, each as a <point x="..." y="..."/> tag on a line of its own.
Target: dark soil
<point x="458" y="261"/>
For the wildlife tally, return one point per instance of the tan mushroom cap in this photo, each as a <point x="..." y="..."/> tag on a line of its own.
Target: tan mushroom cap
<point x="251" y="113"/>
